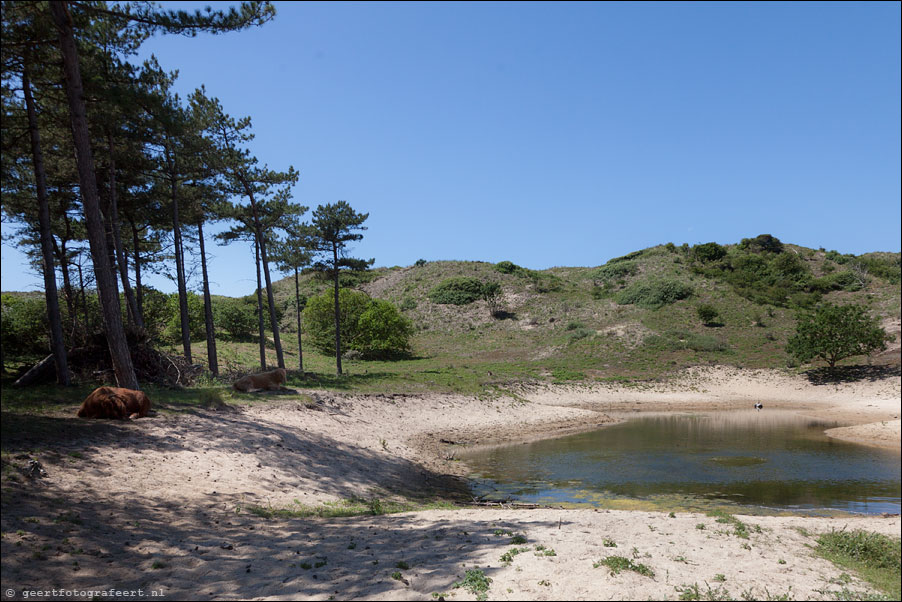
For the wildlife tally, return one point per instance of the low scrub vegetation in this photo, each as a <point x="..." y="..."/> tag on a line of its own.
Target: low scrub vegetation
<point x="875" y="557"/>
<point x="372" y="327"/>
<point x="654" y="294"/>
<point x="456" y="291"/>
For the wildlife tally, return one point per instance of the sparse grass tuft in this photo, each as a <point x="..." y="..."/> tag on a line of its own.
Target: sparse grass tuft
<point x="476" y="582"/>
<point x="619" y="563"/>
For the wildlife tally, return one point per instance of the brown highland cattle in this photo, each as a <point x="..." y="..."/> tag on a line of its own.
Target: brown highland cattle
<point x="115" y="403"/>
<point x="264" y="381"/>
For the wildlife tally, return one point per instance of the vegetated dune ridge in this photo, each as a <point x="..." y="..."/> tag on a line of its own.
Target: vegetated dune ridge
<point x="162" y="503"/>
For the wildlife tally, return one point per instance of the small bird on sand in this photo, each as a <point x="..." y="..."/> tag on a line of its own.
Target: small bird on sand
<point x="758" y="406"/>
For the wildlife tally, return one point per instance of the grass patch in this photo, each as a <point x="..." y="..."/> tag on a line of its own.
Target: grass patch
<point x="740" y="529"/>
<point x="620" y="563"/>
<point x="348" y="507"/>
<point x="875" y="557"/>
<point x="476" y="582"/>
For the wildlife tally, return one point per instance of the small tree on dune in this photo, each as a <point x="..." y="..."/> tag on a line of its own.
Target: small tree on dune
<point x="332" y="228"/>
<point x="833" y="333"/>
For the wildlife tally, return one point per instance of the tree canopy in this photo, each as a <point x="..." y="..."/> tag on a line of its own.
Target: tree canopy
<point x="835" y="332"/>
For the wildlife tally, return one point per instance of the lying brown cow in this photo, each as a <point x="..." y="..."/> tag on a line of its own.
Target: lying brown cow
<point x="116" y="403"/>
<point x="268" y="381"/>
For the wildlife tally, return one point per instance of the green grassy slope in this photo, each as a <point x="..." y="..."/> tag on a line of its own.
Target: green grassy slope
<point x="571" y="324"/>
<point x="567" y="324"/>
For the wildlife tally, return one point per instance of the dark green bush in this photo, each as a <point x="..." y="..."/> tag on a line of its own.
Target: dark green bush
<point x="25" y="329"/>
<point x="655" y="293"/>
<point x="196" y="325"/>
<point x="707" y="313"/>
<point x="543" y="283"/>
<point x="612" y="272"/>
<point x="238" y="317"/>
<point x="837" y="257"/>
<point x="373" y="327"/>
<point x="763" y="243"/>
<point x="845" y="281"/>
<point x="319" y="318"/>
<point x="709" y="251"/>
<point x="456" y="291"/>
<point x="383" y="332"/>
<point x="885" y="266"/>
<point x="507" y="267"/>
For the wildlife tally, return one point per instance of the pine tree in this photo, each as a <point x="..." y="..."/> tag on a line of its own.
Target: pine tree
<point x="333" y="227"/>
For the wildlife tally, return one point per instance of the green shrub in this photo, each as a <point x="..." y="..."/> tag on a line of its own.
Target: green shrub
<point x="373" y="327"/>
<point x="758" y="270"/>
<point x="238" y="317"/>
<point x="707" y="313"/>
<point x="319" y="318"/>
<point x="844" y="281"/>
<point x="25" y="328"/>
<point x="885" y="266"/>
<point x="507" y="267"/>
<point x="196" y="324"/>
<point x="763" y="243"/>
<point x="157" y="312"/>
<point x="839" y="258"/>
<point x="611" y="272"/>
<point x="709" y="251"/>
<point x="456" y="291"/>
<point x="383" y="332"/>
<point x="408" y="303"/>
<point x="543" y="283"/>
<point x="655" y="293"/>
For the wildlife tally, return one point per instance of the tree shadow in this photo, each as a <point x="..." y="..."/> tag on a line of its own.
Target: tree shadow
<point x="202" y="552"/>
<point x="848" y="374"/>
<point x="504" y="315"/>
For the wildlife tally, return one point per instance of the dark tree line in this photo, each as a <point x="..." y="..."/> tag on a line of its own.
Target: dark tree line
<point x="102" y="159"/>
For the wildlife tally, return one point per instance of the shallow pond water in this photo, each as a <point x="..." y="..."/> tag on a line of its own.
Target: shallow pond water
<point x="773" y="459"/>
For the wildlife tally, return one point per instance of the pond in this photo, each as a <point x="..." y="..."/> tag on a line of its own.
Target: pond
<point x="770" y="458"/>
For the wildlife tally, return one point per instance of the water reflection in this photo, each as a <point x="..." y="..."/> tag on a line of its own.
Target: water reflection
<point x="768" y="458"/>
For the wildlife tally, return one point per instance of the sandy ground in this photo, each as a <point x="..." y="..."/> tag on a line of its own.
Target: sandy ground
<point x="161" y="503"/>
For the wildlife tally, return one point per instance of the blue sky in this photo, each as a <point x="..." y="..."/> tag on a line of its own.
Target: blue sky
<point x="556" y="134"/>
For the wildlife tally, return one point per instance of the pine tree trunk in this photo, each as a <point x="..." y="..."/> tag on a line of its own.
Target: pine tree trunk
<point x="260" y="307"/>
<point x="57" y="344"/>
<point x="280" y="358"/>
<point x="133" y="312"/>
<point x="297" y="305"/>
<point x="139" y="289"/>
<point x="337" y="313"/>
<point x="112" y="319"/>
<point x="184" y="319"/>
<point x="84" y="301"/>
<point x="208" y="306"/>
<point x="258" y="233"/>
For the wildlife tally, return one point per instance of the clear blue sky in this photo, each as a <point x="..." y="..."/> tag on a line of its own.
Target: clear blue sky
<point x="565" y="134"/>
